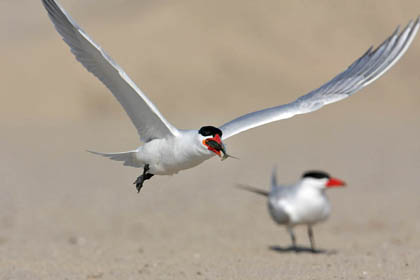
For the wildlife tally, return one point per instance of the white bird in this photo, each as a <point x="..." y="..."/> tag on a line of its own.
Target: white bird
<point x="166" y="149"/>
<point x="304" y="203"/>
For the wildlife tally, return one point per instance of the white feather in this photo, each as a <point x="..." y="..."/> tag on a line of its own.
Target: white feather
<point x="149" y="122"/>
<point x="361" y="73"/>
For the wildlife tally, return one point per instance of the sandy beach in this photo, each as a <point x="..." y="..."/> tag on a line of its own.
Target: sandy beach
<point x="67" y="214"/>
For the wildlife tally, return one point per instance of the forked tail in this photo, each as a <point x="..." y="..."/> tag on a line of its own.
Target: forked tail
<point x="274" y="177"/>
<point x="129" y="158"/>
<point x="253" y="189"/>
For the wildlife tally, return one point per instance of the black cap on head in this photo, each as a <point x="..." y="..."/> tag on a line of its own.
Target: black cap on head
<point x="316" y="174"/>
<point x="210" y="131"/>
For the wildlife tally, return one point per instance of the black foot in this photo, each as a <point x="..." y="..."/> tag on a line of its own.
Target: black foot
<point x="143" y="177"/>
<point x="139" y="183"/>
<point x="140" y="180"/>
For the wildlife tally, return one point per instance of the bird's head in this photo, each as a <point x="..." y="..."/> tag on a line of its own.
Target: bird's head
<point x="321" y="180"/>
<point x="211" y="139"/>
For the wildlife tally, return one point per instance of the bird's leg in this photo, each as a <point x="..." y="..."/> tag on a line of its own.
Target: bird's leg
<point x="311" y="238"/>
<point x="143" y="177"/>
<point x="292" y="236"/>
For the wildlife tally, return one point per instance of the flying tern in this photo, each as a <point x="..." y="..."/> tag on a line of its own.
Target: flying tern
<point x="166" y="149"/>
<point x="304" y="203"/>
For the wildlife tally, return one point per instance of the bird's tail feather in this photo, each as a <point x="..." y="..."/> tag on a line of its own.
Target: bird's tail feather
<point x="274" y="177"/>
<point x="129" y="158"/>
<point x="252" y="189"/>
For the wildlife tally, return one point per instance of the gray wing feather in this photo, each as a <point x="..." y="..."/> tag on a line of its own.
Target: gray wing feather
<point x="369" y="67"/>
<point x="145" y="116"/>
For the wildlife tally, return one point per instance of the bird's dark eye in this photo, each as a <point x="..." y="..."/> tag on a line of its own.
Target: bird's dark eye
<point x="316" y="174"/>
<point x="210" y="131"/>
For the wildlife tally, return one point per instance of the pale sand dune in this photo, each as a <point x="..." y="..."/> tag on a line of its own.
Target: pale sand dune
<point x="65" y="214"/>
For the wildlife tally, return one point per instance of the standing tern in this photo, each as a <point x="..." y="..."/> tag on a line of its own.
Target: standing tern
<point x="168" y="150"/>
<point x="302" y="203"/>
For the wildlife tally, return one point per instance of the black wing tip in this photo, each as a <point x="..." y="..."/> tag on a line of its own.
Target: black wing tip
<point x="54" y="10"/>
<point x="50" y="5"/>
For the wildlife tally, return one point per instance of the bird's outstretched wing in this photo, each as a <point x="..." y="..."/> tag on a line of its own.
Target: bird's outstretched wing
<point x="362" y="72"/>
<point x="143" y="113"/>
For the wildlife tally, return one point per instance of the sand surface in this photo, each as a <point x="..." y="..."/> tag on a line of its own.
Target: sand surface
<point x="66" y="214"/>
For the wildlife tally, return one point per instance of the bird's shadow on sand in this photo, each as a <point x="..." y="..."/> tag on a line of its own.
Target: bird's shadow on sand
<point x="298" y="249"/>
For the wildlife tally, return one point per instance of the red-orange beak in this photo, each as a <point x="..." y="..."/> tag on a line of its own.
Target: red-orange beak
<point x="215" y="145"/>
<point x="334" y="183"/>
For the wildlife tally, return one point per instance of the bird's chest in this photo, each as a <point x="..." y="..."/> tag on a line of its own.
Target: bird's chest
<point x="170" y="157"/>
<point x="309" y="208"/>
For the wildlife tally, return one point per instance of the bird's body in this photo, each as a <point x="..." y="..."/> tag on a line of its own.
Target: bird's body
<point x="303" y="203"/>
<point x="166" y="149"/>
<point x="298" y="204"/>
<point x="166" y="156"/>
<point x="172" y="154"/>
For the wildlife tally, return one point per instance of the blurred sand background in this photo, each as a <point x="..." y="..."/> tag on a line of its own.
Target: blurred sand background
<point x="66" y="214"/>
